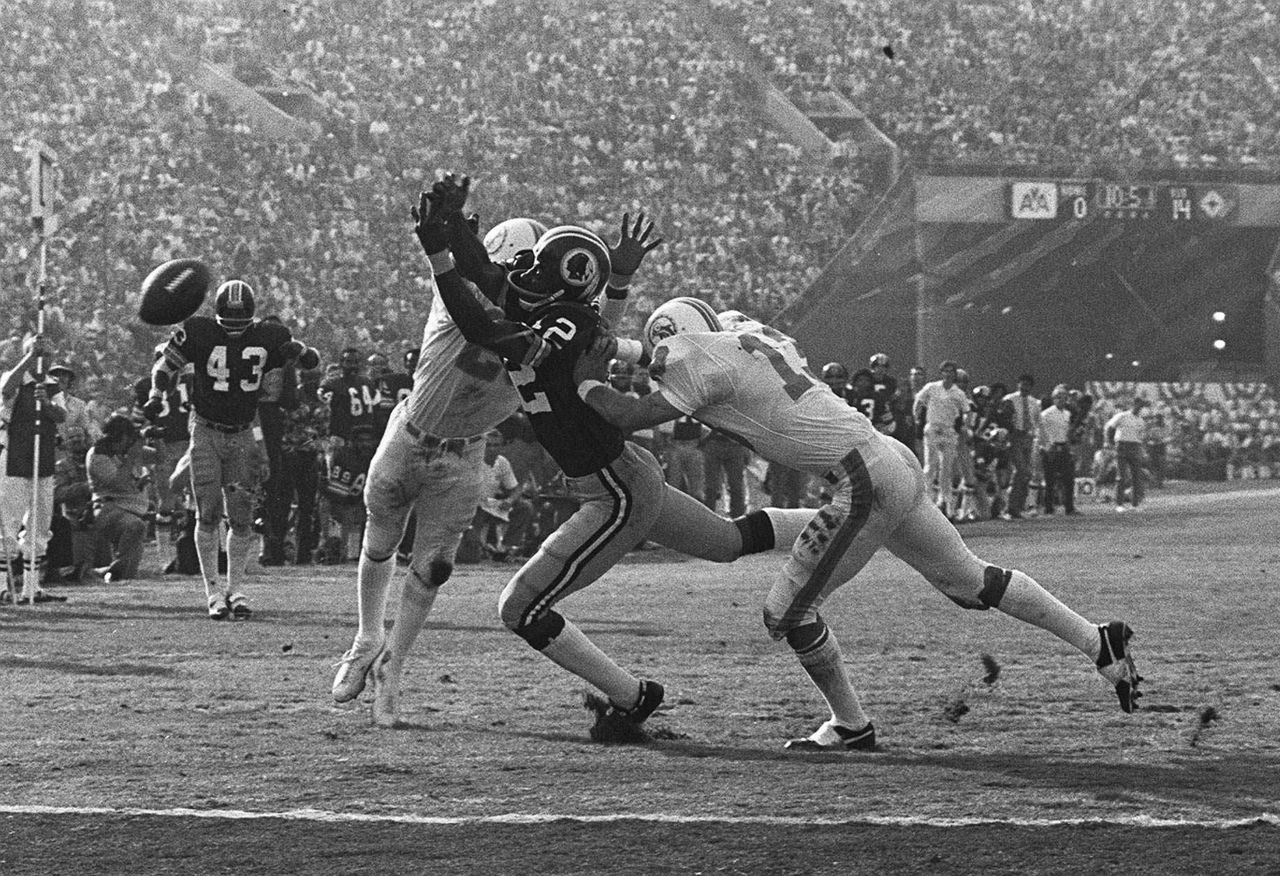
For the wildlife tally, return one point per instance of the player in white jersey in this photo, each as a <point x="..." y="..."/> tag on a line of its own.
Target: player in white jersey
<point x="738" y="375"/>
<point x="430" y="461"/>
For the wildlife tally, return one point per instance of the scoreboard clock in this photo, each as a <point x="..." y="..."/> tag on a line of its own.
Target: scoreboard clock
<point x="1080" y="200"/>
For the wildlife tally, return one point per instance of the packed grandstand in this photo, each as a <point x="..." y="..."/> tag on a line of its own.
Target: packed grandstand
<point x="563" y="112"/>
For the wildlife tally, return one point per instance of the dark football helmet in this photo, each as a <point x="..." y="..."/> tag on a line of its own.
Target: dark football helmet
<point x="411" y="359"/>
<point x="568" y="263"/>
<point x="350" y="361"/>
<point x="233" y="306"/>
<point x="879" y="360"/>
<point x="834" y="371"/>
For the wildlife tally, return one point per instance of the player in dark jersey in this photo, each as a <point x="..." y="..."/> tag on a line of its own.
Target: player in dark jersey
<point x="352" y="399"/>
<point x="234" y="356"/>
<point x="393" y="387"/>
<point x="872" y="400"/>
<point x="172" y="428"/>
<point x="543" y="324"/>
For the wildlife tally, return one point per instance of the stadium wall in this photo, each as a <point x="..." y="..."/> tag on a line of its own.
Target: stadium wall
<point x="1072" y="279"/>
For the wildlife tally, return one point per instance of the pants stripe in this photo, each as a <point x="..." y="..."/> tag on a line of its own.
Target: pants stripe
<point x="855" y="469"/>
<point x="590" y="547"/>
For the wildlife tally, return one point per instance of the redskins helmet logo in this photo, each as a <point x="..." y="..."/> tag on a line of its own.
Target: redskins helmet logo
<point x="579" y="267"/>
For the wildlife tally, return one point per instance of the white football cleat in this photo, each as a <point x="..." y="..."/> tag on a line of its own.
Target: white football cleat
<point x="353" y="670"/>
<point x="386" y="692"/>
<point x="836" y="737"/>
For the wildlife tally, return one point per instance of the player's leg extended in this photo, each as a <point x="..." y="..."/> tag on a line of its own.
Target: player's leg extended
<point x="396" y="477"/>
<point x="617" y="510"/>
<point x="33" y="540"/>
<point x="237" y="491"/>
<point x="445" y="506"/>
<point x="928" y="542"/>
<point x="206" y="485"/>
<point x="687" y="525"/>
<point x="839" y="540"/>
<point x="15" y="496"/>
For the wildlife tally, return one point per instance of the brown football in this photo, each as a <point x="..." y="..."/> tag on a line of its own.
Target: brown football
<point x="174" y="291"/>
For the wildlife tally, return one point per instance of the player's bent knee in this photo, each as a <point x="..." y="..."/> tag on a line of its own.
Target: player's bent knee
<point x="437" y="572"/>
<point x="995" y="581"/>
<point x="757" y="533"/>
<point x="807" y="637"/>
<point x="540" y="632"/>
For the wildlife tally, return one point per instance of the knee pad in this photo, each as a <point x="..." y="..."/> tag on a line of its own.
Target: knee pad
<point x="994" y="583"/>
<point x="540" y="632"/>
<point x="808" y="636"/>
<point x="757" y="532"/>
<point x="438" y="572"/>
<point x="239" y="507"/>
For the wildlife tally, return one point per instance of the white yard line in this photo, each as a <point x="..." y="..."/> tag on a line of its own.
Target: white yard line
<point x="319" y="815"/>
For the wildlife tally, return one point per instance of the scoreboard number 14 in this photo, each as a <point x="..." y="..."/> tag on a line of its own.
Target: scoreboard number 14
<point x="1103" y="199"/>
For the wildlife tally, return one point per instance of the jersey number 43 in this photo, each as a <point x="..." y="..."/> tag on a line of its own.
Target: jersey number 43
<point x="219" y="368"/>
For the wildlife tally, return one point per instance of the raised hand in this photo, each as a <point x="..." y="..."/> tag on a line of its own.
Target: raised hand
<point x="453" y="192"/>
<point x="633" y="245"/>
<point x="428" y="223"/>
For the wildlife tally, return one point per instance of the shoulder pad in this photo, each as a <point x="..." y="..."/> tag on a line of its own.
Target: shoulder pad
<point x="270" y="334"/>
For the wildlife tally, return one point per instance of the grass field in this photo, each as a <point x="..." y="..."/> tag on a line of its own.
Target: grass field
<point x="143" y="738"/>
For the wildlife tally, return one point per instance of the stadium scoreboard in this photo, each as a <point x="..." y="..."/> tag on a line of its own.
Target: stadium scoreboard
<point x="1123" y="201"/>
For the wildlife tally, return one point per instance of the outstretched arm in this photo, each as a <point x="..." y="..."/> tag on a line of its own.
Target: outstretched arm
<point x="468" y="249"/>
<point x="626" y="412"/>
<point x="511" y="340"/>
<point x="625" y="257"/>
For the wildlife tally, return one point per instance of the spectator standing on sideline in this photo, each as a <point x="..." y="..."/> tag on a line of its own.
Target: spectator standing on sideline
<point x="939" y="405"/>
<point x="916" y="379"/>
<point x="273" y="415"/>
<point x="1157" y="442"/>
<point x="684" y="457"/>
<point x="78" y="416"/>
<point x="1021" y="413"/>
<point x="21" y="389"/>
<point x="725" y="460"/>
<point x="1126" y="431"/>
<point x="1054" y="437"/>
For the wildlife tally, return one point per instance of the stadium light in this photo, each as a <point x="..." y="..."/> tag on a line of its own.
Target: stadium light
<point x="1135" y="363"/>
<point x="1219" y="345"/>
<point x="1110" y="356"/>
<point x="1219" y="316"/>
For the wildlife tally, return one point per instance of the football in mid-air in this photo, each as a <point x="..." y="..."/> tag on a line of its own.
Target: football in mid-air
<point x="174" y="291"/>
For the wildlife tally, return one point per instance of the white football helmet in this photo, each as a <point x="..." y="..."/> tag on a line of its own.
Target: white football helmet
<point x="679" y="316"/>
<point x="507" y="238"/>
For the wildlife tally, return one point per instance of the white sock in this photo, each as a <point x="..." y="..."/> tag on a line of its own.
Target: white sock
<point x="373" y="579"/>
<point x="415" y="607"/>
<point x="825" y="665"/>
<point x="788" y="523"/>
<point x="572" y="650"/>
<point x="1029" y="602"/>
<point x="207" y="544"/>
<point x="239" y="546"/>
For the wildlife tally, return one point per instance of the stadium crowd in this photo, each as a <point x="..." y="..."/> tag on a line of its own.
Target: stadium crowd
<point x="636" y="109"/>
<point x="578" y="112"/>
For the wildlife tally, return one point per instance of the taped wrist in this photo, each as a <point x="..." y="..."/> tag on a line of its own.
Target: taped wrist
<point x="619" y="285"/>
<point x="586" y="386"/>
<point x="441" y="262"/>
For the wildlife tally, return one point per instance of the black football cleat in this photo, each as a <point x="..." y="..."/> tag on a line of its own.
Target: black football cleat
<point x="1115" y="663"/>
